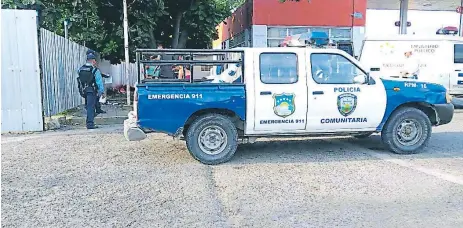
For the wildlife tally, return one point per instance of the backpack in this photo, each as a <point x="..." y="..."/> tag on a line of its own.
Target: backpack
<point x="86" y="78"/>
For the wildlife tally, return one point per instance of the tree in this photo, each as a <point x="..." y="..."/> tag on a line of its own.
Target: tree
<point x="97" y="24"/>
<point x="144" y="17"/>
<point x="195" y="20"/>
<point x="87" y="27"/>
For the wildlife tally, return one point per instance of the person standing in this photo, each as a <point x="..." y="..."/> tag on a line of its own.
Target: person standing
<point x="166" y="70"/>
<point x="97" y="104"/>
<point x="152" y="71"/>
<point x="90" y="83"/>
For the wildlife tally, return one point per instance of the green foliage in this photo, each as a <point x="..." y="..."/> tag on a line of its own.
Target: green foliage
<point x="98" y="24"/>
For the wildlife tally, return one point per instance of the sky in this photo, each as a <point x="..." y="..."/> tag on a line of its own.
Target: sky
<point x="381" y="22"/>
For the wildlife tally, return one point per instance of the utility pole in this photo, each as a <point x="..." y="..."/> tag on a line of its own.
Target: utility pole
<point x="66" y="29"/>
<point x="126" y="47"/>
<point x="460" y="11"/>
<point x="403" y="17"/>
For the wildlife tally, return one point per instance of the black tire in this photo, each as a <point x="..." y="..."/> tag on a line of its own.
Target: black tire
<point x="216" y="122"/>
<point x="391" y="137"/>
<point x="363" y="136"/>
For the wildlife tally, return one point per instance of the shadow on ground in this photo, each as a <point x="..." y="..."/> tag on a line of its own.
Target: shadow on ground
<point x="441" y="145"/>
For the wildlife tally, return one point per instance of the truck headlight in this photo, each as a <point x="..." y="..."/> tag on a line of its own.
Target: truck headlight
<point x="448" y="97"/>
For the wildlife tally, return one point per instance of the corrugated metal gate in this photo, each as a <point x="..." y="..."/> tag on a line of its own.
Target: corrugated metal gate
<point x="61" y="58"/>
<point x="26" y="96"/>
<point x="21" y="93"/>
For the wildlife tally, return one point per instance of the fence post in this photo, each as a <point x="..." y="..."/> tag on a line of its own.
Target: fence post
<point x="126" y="47"/>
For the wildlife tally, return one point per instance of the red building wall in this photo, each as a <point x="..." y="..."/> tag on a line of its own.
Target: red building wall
<point x="273" y="13"/>
<point x="303" y="13"/>
<point x="240" y="20"/>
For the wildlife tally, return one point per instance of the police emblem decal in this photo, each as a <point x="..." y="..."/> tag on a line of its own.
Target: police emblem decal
<point x="347" y="103"/>
<point x="284" y="104"/>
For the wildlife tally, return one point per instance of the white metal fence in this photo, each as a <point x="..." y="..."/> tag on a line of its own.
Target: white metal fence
<point x="26" y="96"/>
<point x="60" y="59"/>
<point x="21" y="96"/>
<point x="117" y="73"/>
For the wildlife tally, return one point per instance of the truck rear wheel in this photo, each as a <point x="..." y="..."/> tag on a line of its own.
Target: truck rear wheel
<point x="407" y="131"/>
<point x="212" y="139"/>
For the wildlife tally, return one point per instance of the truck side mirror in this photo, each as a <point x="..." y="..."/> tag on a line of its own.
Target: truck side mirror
<point x="370" y="80"/>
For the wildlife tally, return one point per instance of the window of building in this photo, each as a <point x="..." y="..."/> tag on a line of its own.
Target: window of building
<point x="274" y="42"/>
<point x="276" y="35"/>
<point x="333" y="69"/>
<point x="278" y="68"/>
<point x="277" y="32"/>
<point x="340" y="34"/>
<point x="320" y="29"/>
<point x="237" y="40"/>
<point x="458" y="53"/>
<point x="297" y="30"/>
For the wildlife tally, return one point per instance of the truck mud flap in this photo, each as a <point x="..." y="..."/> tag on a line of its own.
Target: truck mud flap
<point x="131" y="131"/>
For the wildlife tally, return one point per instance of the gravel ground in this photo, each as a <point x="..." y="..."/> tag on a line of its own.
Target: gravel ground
<point x="81" y="178"/>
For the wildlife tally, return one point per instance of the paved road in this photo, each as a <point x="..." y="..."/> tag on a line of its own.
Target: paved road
<point x="81" y="179"/>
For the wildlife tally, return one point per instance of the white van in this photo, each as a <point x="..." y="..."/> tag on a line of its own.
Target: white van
<point x="440" y="58"/>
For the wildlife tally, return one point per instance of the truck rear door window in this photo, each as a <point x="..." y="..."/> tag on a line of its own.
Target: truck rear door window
<point x="458" y="53"/>
<point x="278" y="68"/>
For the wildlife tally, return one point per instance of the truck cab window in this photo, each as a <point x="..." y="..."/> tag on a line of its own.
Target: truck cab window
<point x="278" y="68"/>
<point x="333" y="69"/>
<point x="458" y="53"/>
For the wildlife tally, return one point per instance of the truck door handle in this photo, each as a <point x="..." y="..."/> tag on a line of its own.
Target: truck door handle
<point x="265" y="93"/>
<point x="457" y="70"/>
<point x="317" y="93"/>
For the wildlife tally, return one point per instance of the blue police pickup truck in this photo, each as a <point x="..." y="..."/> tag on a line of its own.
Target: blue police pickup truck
<point x="272" y="92"/>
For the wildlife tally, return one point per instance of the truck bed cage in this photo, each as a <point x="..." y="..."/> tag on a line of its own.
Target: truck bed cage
<point x="220" y="57"/>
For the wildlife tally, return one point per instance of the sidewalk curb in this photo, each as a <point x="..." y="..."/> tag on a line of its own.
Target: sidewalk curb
<point x="74" y="120"/>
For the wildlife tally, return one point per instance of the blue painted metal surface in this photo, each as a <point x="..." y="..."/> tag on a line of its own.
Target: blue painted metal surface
<point x="167" y="107"/>
<point x="408" y="92"/>
<point x="320" y="38"/>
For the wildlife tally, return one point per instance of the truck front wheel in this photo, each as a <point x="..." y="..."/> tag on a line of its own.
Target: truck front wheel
<point x="212" y="139"/>
<point x="407" y="131"/>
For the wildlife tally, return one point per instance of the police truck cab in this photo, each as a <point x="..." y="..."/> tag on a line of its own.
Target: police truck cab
<point x="289" y="91"/>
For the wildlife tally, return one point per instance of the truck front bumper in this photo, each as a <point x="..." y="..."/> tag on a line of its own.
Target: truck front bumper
<point x="444" y="113"/>
<point x="457" y="102"/>
<point x="131" y="130"/>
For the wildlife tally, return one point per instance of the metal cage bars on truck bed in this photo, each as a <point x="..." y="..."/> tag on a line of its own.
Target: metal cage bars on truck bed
<point x="222" y="55"/>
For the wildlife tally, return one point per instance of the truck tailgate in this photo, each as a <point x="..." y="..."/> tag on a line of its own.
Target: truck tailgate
<point x="166" y="107"/>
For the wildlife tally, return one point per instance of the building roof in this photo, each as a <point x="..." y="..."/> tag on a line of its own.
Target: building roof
<point x="434" y="5"/>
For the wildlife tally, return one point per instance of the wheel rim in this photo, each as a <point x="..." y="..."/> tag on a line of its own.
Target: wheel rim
<point x="212" y="140"/>
<point x="409" y="132"/>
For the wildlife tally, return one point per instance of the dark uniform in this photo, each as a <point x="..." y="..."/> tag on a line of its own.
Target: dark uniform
<point x="90" y="85"/>
<point x="166" y="70"/>
<point x="97" y="103"/>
